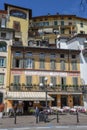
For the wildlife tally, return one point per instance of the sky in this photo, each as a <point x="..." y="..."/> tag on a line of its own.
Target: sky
<point x="43" y="7"/>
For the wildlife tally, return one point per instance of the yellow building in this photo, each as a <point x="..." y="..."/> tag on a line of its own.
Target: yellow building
<point x="33" y="57"/>
<point x="50" y="27"/>
<point x="28" y="68"/>
<point x="18" y="19"/>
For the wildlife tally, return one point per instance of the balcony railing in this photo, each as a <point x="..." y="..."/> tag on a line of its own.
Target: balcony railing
<point x="36" y="87"/>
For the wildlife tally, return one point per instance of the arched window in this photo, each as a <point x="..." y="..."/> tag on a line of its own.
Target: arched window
<point x="17" y="13"/>
<point x="3" y="46"/>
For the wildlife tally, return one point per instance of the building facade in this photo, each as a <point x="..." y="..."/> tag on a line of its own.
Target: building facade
<point x="30" y="66"/>
<point x="6" y="39"/>
<point x="33" y="53"/>
<point x="50" y="27"/>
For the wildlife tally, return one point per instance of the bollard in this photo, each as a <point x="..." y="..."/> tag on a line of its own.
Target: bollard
<point x="15" y="117"/>
<point x="77" y="116"/>
<point x="36" y="119"/>
<point x="57" y="117"/>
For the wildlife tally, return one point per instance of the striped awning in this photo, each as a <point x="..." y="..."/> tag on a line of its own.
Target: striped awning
<point x="28" y="96"/>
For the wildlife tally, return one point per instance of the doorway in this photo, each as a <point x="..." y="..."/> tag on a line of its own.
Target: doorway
<point x="1" y="98"/>
<point x="54" y="103"/>
<point x="63" y="101"/>
<point x="26" y="106"/>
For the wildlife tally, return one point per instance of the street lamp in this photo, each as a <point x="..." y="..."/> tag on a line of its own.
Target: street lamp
<point x="44" y="85"/>
<point x="45" y="79"/>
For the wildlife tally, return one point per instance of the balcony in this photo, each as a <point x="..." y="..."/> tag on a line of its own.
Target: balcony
<point x="51" y="89"/>
<point x="17" y="43"/>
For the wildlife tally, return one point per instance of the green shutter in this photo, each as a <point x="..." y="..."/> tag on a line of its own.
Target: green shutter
<point x="1" y="79"/>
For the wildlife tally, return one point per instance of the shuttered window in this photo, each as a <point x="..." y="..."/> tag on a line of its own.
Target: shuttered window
<point x="62" y="64"/>
<point x="75" y="81"/>
<point x="74" y="65"/>
<point x="2" y="62"/>
<point x="16" y="79"/>
<point x="28" y="80"/>
<point x="1" y="79"/>
<point x="53" y="81"/>
<point x="52" y="64"/>
<point x="42" y="63"/>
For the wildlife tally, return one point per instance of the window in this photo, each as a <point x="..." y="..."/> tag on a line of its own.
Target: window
<point x="61" y="55"/>
<point x="29" y="54"/>
<point x="55" y="23"/>
<point x="73" y="56"/>
<point x="52" y="64"/>
<point x="3" y="35"/>
<point x="63" y="83"/>
<point x="42" y="55"/>
<point x="82" y="32"/>
<point x="81" y="24"/>
<point x="16" y="25"/>
<point x="45" y="23"/>
<point x="17" y="53"/>
<point x="74" y="65"/>
<point x="17" y="13"/>
<point x="29" y="80"/>
<point x="2" y="62"/>
<point x="62" y="64"/>
<point x="69" y="18"/>
<point x="3" y="23"/>
<point x="70" y="23"/>
<point x="62" y="22"/>
<point x="16" y="79"/>
<point x="41" y="79"/>
<point x="53" y="81"/>
<point x="52" y="56"/>
<point x="30" y="63"/>
<point x="3" y="46"/>
<point x="62" y="31"/>
<point x="75" y="81"/>
<point x="1" y="79"/>
<point x="18" y="63"/>
<point x="42" y="63"/>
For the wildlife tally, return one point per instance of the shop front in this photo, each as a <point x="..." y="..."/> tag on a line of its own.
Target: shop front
<point x="24" y="101"/>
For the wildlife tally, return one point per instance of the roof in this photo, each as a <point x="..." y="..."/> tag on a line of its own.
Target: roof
<point x="30" y="10"/>
<point x="59" y="15"/>
<point x="6" y="5"/>
<point x="78" y="35"/>
<point x="44" y="49"/>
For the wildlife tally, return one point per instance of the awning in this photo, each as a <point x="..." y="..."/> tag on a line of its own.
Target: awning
<point x="28" y="96"/>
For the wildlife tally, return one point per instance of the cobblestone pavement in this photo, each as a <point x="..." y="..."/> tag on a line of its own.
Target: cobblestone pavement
<point x="29" y="121"/>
